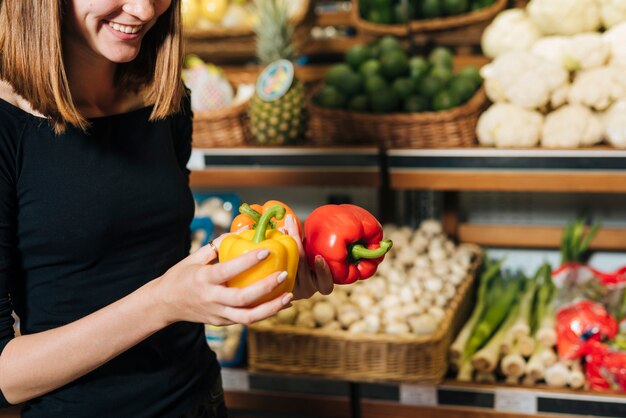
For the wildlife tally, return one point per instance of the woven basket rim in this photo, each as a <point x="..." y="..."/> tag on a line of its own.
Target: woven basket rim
<point x="441" y="332"/>
<point x="472" y="105"/>
<point x="427" y="25"/>
<point x="222" y="113"/>
<point x="220" y="32"/>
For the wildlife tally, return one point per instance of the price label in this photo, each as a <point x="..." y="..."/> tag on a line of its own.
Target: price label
<point x="235" y="380"/>
<point x="418" y="395"/>
<point x="512" y="400"/>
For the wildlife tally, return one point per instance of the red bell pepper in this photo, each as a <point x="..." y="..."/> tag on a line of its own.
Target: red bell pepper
<point x="249" y="215"/>
<point x="350" y="240"/>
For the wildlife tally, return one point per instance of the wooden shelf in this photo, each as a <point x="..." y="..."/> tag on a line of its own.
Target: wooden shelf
<point x="296" y="166"/>
<point x="594" y="171"/>
<point x="529" y="236"/>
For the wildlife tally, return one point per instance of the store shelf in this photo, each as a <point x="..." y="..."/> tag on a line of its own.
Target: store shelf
<point x="296" y="166"/>
<point x="530" y="236"/>
<point x="450" y="399"/>
<point x="482" y="169"/>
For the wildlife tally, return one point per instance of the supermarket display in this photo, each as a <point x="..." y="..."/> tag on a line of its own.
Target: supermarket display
<point x="383" y="77"/>
<point x="241" y="15"/>
<point x="228" y="343"/>
<point x="556" y="72"/>
<point x="277" y="110"/>
<point x="400" y="11"/>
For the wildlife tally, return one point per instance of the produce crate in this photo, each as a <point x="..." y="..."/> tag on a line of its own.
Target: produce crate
<point x="226" y="44"/>
<point x="452" y="128"/>
<point x="227" y="127"/>
<point x="465" y="29"/>
<point x="363" y="357"/>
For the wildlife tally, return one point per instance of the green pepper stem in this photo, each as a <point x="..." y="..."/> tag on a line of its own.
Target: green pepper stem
<point x="246" y="209"/>
<point x="359" y="251"/>
<point x="276" y="211"/>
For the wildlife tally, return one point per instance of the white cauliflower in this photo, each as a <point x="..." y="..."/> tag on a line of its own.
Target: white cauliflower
<point x="565" y="17"/>
<point x="504" y="125"/>
<point x="585" y="51"/>
<point x="523" y="79"/>
<point x="551" y="48"/>
<point x="615" y="124"/>
<point x="616" y="39"/>
<point x="559" y="97"/>
<point x="578" y="52"/>
<point x="598" y="88"/>
<point x="612" y="12"/>
<point x="571" y="126"/>
<point x="511" y="30"/>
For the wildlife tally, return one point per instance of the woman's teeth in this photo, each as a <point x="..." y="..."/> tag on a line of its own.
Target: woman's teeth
<point x="124" y="28"/>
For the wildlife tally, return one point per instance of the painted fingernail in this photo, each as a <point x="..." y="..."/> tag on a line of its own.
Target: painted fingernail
<point x="281" y="277"/>
<point x="263" y="254"/>
<point x="288" y="220"/>
<point x="287" y="298"/>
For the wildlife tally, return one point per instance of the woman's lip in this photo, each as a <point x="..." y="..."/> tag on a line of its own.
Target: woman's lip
<point x="121" y="35"/>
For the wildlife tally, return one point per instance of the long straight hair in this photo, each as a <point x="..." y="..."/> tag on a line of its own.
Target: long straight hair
<point x="31" y="61"/>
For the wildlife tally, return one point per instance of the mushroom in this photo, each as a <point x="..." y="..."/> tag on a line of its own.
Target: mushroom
<point x="323" y="313"/>
<point x="397" y="327"/>
<point x="424" y="324"/>
<point x="358" y="327"/>
<point x="305" y="320"/>
<point x="287" y="316"/>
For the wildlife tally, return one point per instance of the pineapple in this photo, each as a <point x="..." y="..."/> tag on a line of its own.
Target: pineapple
<point x="280" y="121"/>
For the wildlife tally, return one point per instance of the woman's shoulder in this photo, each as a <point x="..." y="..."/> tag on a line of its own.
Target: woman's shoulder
<point x="14" y="103"/>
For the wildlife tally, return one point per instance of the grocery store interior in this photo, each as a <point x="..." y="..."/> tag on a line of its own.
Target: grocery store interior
<point x="488" y="137"/>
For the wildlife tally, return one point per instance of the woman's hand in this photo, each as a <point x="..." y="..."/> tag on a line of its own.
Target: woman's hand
<point x="308" y="282"/>
<point x="195" y="290"/>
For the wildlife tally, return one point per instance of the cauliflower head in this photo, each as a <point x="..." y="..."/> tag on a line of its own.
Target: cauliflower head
<point x="504" y="125"/>
<point x="612" y="12"/>
<point x="598" y="88"/>
<point x="571" y="126"/>
<point x="615" y="124"/>
<point x="616" y="40"/>
<point x="565" y="17"/>
<point x="511" y="30"/>
<point x="523" y="79"/>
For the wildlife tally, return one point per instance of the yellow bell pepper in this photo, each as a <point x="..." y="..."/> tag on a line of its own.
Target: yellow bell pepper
<point x="283" y="255"/>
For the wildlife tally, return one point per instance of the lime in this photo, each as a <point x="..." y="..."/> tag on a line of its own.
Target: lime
<point x="351" y="85"/>
<point x="337" y="73"/>
<point x="431" y="9"/>
<point x="394" y="64"/>
<point x="416" y="104"/>
<point x="454" y="7"/>
<point x="463" y="87"/>
<point x="370" y="67"/>
<point x="442" y="73"/>
<point x="472" y="73"/>
<point x="444" y="100"/>
<point x="389" y="43"/>
<point x="429" y="86"/>
<point x="384" y="101"/>
<point x="357" y="55"/>
<point x="404" y="12"/>
<point x="403" y="87"/>
<point x="359" y="103"/>
<point x="441" y="56"/>
<point x="383" y="16"/>
<point x="418" y="68"/>
<point x="331" y="98"/>
<point x="375" y="83"/>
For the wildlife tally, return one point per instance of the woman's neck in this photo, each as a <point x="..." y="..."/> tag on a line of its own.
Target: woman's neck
<point x="91" y="80"/>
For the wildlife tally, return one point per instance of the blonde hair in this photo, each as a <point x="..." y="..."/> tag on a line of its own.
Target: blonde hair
<point x="31" y="61"/>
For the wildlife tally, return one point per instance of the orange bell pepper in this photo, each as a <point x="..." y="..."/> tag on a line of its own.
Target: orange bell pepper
<point x="249" y="215"/>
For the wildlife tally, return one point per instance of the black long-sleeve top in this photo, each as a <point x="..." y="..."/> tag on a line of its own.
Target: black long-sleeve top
<point x="85" y="219"/>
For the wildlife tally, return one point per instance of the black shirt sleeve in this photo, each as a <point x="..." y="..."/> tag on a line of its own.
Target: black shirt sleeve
<point x="183" y="129"/>
<point x="8" y="206"/>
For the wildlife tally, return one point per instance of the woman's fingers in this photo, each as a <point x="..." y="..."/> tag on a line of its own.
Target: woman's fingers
<point x="224" y="271"/>
<point x="323" y="277"/>
<point x="241" y="297"/>
<point x="205" y="255"/>
<point x="250" y="315"/>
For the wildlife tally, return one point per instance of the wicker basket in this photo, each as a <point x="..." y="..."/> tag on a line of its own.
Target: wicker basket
<point x="464" y="29"/>
<point x="225" y="127"/>
<point x="446" y="129"/>
<point x="365" y="357"/>
<point x="222" y="44"/>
